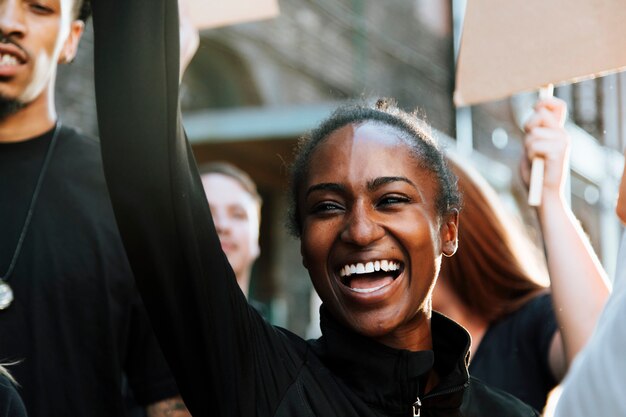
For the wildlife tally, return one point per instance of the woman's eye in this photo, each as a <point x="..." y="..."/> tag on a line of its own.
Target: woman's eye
<point x="390" y="200"/>
<point x="326" y="207"/>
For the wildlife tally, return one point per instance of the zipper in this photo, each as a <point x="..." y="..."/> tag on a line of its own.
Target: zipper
<point x="417" y="407"/>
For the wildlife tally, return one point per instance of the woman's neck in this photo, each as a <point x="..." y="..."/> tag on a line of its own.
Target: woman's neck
<point x="448" y="303"/>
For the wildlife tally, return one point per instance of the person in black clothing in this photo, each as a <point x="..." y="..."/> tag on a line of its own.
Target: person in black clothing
<point x="70" y="315"/>
<point x="10" y="402"/>
<point x="376" y="209"/>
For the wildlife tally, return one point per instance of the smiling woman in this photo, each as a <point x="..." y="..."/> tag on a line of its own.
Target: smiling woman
<point x="375" y="207"/>
<point x="369" y="189"/>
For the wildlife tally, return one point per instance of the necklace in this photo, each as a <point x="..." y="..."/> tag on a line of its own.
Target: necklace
<point x="6" y="292"/>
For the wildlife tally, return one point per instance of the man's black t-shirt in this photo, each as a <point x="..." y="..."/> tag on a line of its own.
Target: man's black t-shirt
<point x="77" y="321"/>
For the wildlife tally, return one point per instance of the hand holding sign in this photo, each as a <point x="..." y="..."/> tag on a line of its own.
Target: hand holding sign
<point x="547" y="140"/>
<point x="521" y="45"/>
<point x="538" y="164"/>
<point x="205" y="14"/>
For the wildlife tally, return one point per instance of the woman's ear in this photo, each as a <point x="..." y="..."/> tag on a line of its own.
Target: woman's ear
<point x="304" y="262"/>
<point x="450" y="233"/>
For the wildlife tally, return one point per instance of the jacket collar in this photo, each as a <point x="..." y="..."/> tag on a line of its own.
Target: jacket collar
<point x="390" y="379"/>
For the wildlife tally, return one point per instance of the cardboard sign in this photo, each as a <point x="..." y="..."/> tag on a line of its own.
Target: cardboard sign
<point x="214" y="13"/>
<point x="520" y="45"/>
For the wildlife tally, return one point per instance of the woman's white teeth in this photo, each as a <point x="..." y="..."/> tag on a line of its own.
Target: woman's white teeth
<point x="368" y="268"/>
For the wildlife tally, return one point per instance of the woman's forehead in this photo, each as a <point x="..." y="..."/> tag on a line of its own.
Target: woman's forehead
<point x="363" y="152"/>
<point x="363" y="138"/>
<point x="375" y="130"/>
<point x="368" y="136"/>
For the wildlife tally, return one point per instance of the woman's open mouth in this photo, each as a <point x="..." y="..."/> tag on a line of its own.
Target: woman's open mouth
<point x="369" y="277"/>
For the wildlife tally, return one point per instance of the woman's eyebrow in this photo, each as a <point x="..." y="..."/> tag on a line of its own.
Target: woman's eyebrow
<point x="325" y="186"/>
<point x="376" y="183"/>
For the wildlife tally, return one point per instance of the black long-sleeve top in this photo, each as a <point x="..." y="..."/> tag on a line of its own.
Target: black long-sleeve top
<point x="226" y="359"/>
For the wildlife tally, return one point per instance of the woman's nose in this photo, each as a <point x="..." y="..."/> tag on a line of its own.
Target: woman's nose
<point x="361" y="227"/>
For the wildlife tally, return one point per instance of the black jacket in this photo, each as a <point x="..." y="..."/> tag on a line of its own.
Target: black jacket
<point x="390" y="382"/>
<point x="227" y="360"/>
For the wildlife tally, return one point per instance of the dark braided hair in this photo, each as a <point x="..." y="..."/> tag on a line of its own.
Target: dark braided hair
<point x="82" y="9"/>
<point x="415" y="134"/>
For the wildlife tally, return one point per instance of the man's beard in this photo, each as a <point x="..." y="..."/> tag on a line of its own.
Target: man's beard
<point x="9" y="106"/>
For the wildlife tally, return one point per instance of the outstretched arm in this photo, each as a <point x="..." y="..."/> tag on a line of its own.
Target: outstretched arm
<point x="226" y="359"/>
<point x="578" y="281"/>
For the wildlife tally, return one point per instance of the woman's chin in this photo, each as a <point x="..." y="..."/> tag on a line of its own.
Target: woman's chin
<point x="391" y="328"/>
<point x="373" y="324"/>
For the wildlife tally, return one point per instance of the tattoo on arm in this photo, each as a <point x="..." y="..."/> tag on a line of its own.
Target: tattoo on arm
<point x="172" y="407"/>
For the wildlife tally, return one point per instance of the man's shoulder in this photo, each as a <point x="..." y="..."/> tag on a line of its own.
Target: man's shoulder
<point x="483" y="400"/>
<point x="77" y="149"/>
<point x="76" y="137"/>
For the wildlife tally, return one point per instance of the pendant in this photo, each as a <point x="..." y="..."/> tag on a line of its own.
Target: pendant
<point x="6" y="295"/>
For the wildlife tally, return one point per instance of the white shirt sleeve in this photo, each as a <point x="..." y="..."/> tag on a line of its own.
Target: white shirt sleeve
<point x="596" y="382"/>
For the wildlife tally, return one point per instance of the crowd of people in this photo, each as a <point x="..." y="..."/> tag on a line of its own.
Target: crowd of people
<point x="126" y="270"/>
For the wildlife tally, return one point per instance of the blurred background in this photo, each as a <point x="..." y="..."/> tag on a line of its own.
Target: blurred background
<point x="253" y="89"/>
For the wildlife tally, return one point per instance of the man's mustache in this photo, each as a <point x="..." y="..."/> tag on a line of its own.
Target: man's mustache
<point x="4" y="39"/>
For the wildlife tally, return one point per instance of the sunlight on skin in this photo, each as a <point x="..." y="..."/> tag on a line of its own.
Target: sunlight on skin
<point x="44" y="70"/>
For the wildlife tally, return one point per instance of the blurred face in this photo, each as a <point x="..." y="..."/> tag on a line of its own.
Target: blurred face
<point x="37" y="35"/>
<point x="621" y="199"/>
<point x="371" y="237"/>
<point x="235" y="214"/>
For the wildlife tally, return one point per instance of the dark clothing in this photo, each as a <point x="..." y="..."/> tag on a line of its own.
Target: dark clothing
<point x="10" y="403"/>
<point x="77" y="321"/>
<point x="385" y="380"/>
<point x="227" y="360"/>
<point x="513" y="354"/>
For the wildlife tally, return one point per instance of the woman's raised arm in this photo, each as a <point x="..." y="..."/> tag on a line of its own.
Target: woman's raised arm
<point x="219" y="349"/>
<point x="578" y="281"/>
